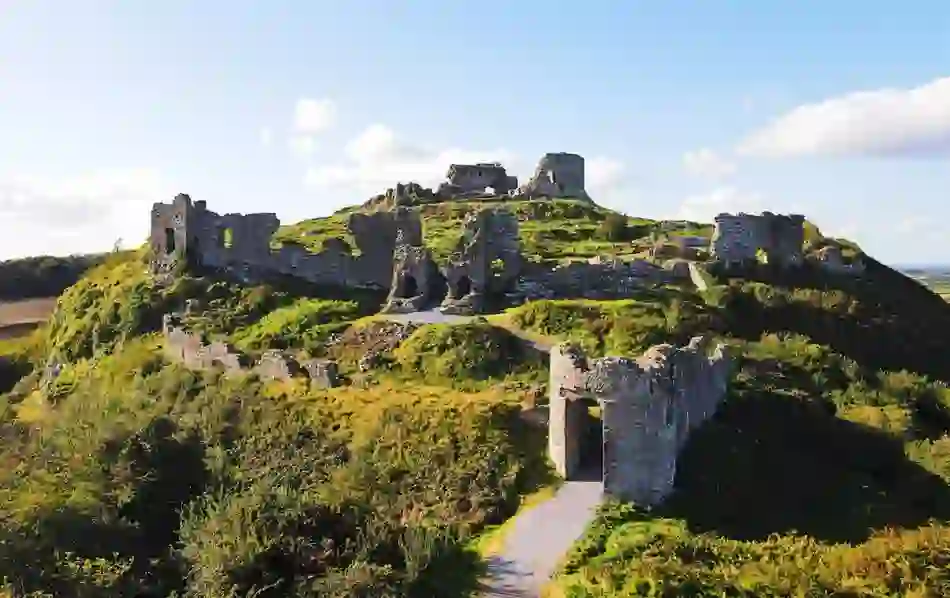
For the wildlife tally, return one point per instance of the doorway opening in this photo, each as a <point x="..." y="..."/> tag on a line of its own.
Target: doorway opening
<point x="410" y="288"/>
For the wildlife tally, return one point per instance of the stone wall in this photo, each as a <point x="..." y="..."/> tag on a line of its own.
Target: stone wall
<point x="487" y="260"/>
<point x="469" y="178"/>
<point x="595" y="279"/>
<point x="556" y="175"/>
<point x="740" y="238"/>
<point x="649" y="406"/>
<point x="240" y="243"/>
<point x="194" y="352"/>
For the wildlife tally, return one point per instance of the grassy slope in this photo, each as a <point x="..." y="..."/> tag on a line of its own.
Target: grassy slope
<point x="826" y="470"/>
<point x="822" y="434"/>
<point x="550" y="230"/>
<point x="131" y="475"/>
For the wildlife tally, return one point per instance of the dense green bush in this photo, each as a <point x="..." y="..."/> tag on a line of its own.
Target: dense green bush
<point x="472" y="350"/>
<point x="148" y="481"/>
<point x="302" y="324"/>
<point x="626" y="327"/>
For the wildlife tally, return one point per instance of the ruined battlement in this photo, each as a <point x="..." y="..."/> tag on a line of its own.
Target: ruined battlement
<point x="241" y="244"/>
<point x="195" y="353"/>
<point x="557" y="175"/>
<point x="649" y="406"/>
<point x="743" y="238"/>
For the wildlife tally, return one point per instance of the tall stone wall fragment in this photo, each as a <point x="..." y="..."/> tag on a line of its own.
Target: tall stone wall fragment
<point x="649" y="405"/>
<point x="557" y="175"/>
<point x="741" y="238"/>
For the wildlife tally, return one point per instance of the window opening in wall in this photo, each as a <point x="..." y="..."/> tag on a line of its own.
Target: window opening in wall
<point x="227" y="238"/>
<point x="169" y="240"/>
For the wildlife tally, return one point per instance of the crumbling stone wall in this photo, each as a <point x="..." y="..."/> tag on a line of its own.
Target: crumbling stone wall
<point x="475" y="178"/>
<point x="486" y="260"/>
<point x="598" y="278"/>
<point x="739" y="238"/>
<point x="415" y="280"/>
<point x="557" y="175"/>
<point x="240" y="243"/>
<point x="649" y="406"/>
<point x="830" y="259"/>
<point x="194" y="352"/>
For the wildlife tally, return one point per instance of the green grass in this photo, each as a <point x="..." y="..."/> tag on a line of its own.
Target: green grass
<point x="826" y="472"/>
<point x="550" y="230"/>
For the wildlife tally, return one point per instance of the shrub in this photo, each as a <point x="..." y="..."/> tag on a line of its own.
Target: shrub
<point x="472" y="350"/>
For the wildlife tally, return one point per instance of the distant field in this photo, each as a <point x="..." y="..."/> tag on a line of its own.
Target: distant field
<point x="20" y="317"/>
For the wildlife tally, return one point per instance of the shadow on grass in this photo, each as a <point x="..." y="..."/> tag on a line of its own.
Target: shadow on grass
<point x="768" y="463"/>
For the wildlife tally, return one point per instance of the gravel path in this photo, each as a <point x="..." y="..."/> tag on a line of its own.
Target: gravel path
<point x="539" y="538"/>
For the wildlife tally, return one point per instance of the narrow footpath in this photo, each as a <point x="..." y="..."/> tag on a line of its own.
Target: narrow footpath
<point x="539" y="537"/>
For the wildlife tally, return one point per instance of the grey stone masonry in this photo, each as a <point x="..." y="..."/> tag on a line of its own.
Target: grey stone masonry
<point x="195" y="353"/>
<point x="649" y="406"/>
<point x="741" y="238"/>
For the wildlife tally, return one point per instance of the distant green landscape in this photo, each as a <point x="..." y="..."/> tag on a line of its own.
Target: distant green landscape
<point x="937" y="278"/>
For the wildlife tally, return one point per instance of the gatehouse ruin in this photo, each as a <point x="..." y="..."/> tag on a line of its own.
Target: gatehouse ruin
<point x="649" y="407"/>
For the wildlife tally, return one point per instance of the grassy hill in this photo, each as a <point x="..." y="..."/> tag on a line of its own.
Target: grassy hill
<point x="825" y="472"/>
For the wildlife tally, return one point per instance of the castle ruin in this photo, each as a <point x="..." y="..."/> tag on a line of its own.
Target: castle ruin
<point x="462" y="179"/>
<point x="649" y="406"/>
<point x="557" y="175"/>
<point x="195" y="352"/>
<point x="746" y="238"/>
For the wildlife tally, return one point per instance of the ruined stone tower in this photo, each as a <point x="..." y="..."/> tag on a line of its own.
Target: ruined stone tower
<point x="487" y="260"/>
<point x="649" y="406"/>
<point x="740" y="238"/>
<point x="557" y="175"/>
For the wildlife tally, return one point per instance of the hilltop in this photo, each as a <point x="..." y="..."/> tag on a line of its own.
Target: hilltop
<point x="825" y="470"/>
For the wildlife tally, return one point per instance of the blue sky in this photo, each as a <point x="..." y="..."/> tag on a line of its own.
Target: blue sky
<point x="839" y="110"/>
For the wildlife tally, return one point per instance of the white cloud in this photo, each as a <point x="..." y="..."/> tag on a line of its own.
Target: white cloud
<point x="302" y="146"/>
<point x="377" y="159"/>
<point x="267" y="136"/>
<point x="878" y="122"/>
<point x="81" y="214"/>
<point x="707" y="164"/>
<point x="313" y="116"/>
<point x="705" y="207"/>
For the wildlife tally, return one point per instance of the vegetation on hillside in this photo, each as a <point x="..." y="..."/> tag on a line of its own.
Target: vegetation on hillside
<point x="550" y="230"/>
<point x="825" y="472"/>
<point x="147" y="479"/>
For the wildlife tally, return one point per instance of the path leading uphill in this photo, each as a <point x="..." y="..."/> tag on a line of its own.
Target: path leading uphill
<point x="538" y="539"/>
